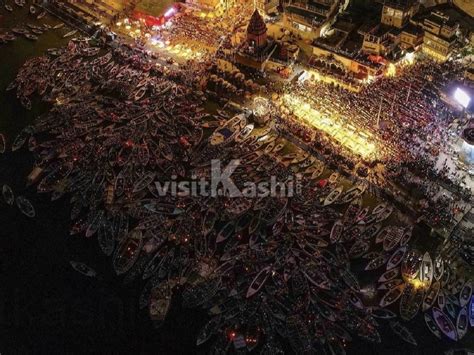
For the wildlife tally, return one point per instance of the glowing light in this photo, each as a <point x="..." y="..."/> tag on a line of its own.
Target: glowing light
<point x="391" y="70"/>
<point x="350" y="137"/>
<point x="170" y="12"/>
<point x="462" y="97"/>
<point x="410" y="57"/>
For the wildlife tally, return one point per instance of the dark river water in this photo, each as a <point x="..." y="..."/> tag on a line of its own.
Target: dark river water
<point x="47" y="307"/>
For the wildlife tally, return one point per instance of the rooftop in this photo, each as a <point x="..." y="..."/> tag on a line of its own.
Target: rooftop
<point x="256" y="24"/>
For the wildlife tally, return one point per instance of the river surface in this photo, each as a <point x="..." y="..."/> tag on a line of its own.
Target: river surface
<point x="47" y="307"/>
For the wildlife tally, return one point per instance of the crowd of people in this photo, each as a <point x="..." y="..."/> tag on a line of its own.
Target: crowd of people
<point x="406" y="115"/>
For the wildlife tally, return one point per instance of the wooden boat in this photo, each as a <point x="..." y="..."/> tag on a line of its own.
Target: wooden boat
<point x="431" y="296"/>
<point x="352" y="193"/>
<point x="391" y="240"/>
<point x="127" y="252"/>
<point x="209" y="330"/>
<point x="32" y="10"/>
<point x="382" y="216"/>
<point x="70" y="34"/>
<point x="280" y="144"/>
<point x="336" y="231"/>
<point x="441" y="299"/>
<point x="397" y="257"/>
<point x="390" y="284"/>
<point x="462" y="323"/>
<point x="333" y="196"/>
<point x="226" y="231"/>
<point x="269" y="147"/>
<point x="382" y="234"/>
<point x="438" y="268"/>
<point x="209" y="221"/>
<point x="403" y="332"/>
<point x="228" y="131"/>
<point x="444" y="324"/>
<point x="410" y="301"/>
<point x="471" y="311"/>
<point x="334" y="177"/>
<point x="389" y="275"/>
<point x="382" y="313"/>
<point x="8" y="195"/>
<point x="83" y="268"/>
<point x="362" y="215"/>
<point x="392" y="296"/>
<point x="465" y="294"/>
<point x="406" y="236"/>
<point x="431" y="324"/>
<point x="426" y="269"/>
<point x="352" y="211"/>
<point x="359" y="248"/>
<point x="25" y="206"/>
<point x="244" y="133"/>
<point x="258" y="281"/>
<point x="410" y="267"/>
<point x="376" y="263"/>
<point x="3" y="144"/>
<point x="160" y="302"/>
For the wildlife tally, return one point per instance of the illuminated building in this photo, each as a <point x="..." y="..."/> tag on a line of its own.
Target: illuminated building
<point x="267" y="6"/>
<point x="397" y="13"/>
<point x="440" y="36"/>
<point x="411" y="37"/>
<point x="263" y="52"/>
<point x="380" y="40"/>
<point x="257" y="32"/>
<point x="309" y="18"/>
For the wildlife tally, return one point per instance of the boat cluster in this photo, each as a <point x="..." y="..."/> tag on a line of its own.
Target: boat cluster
<point x="268" y="270"/>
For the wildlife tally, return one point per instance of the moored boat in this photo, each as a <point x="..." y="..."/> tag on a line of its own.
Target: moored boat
<point x="465" y="294"/>
<point x="8" y="195"/>
<point x="25" y="206"/>
<point x="258" y="281"/>
<point x="403" y="332"/>
<point x="389" y="275"/>
<point x="377" y="262"/>
<point x="388" y="285"/>
<point x="127" y="252"/>
<point x="444" y="324"/>
<point x="333" y="196"/>
<point x="336" y="231"/>
<point x="392" y="296"/>
<point x="3" y="144"/>
<point x="391" y="239"/>
<point x="438" y="268"/>
<point x="431" y="296"/>
<point x="462" y="323"/>
<point x="228" y="132"/>
<point x="83" y="268"/>
<point x="426" y="270"/>
<point x="471" y="311"/>
<point x="70" y="34"/>
<point x="431" y="324"/>
<point x="226" y="231"/>
<point x="397" y="257"/>
<point x="382" y="313"/>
